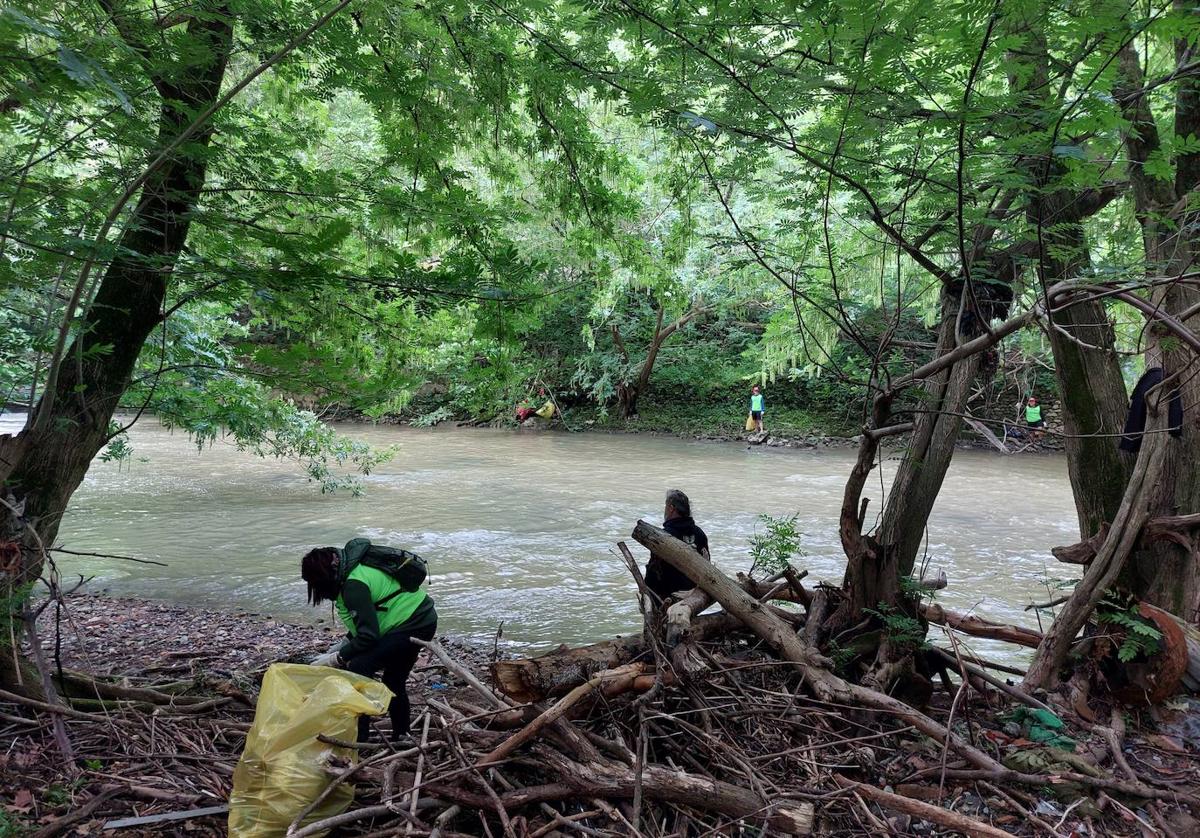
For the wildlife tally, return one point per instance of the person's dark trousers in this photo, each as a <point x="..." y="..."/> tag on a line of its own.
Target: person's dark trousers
<point x="395" y="656"/>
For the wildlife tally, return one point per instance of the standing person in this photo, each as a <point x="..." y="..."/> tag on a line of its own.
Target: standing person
<point x="376" y="593"/>
<point x="757" y="407"/>
<point x="1034" y="420"/>
<point x="661" y="577"/>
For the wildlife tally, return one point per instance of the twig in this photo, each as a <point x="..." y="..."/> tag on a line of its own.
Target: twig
<point x="106" y="556"/>
<point x="412" y="808"/>
<point x="925" y="811"/>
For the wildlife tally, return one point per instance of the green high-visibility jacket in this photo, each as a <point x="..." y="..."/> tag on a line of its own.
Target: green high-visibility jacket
<point x="1033" y="414"/>
<point x="372" y="604"/>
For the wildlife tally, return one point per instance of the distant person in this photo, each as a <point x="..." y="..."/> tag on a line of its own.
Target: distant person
<point x="661" y="577"/>
<point x="757" y="408"/>
<point x="546" y="411"/>
<point x="376" y="593"/>
<point x="1034" y="420"/>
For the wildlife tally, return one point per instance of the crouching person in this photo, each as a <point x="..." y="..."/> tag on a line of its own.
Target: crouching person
<point x="376" y="592"/>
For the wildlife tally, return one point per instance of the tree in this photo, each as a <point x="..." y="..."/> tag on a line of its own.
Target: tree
<point x="245" y="211"/>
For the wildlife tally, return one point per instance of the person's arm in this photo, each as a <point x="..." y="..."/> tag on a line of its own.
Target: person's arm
<point x="357" y="598"/>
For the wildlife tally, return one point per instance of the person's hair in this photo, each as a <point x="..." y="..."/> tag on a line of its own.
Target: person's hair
<point x="319" y="569"/>
<point x="679" y="501"/>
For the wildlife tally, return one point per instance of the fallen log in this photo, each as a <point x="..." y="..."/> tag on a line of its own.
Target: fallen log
<point x="678" y="625"/>
<point x="986" y="432"/>
<point x="563" y="669"/>
<point x="979" y="627"/>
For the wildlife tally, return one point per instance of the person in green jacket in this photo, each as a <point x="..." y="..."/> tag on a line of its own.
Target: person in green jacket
<point x="1033" y="418"/>
<point x="379" y="616"/>
<point x="757" y="408"/>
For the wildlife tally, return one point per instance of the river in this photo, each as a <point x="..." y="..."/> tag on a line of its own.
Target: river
<point x="520" y="527"/>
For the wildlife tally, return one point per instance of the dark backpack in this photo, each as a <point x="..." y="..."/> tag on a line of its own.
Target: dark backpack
<point x="408" y="569"/>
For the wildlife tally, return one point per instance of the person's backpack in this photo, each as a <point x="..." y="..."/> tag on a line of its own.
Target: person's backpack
<point x="407" y="568"/>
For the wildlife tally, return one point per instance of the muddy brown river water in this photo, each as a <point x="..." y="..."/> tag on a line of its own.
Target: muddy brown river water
<point x="520" y="526"/>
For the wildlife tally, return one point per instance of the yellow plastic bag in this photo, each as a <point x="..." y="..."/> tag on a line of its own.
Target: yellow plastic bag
<point x="546" y="411"/>
<point x="750" y="423"/>
<point x="282" y="768"/>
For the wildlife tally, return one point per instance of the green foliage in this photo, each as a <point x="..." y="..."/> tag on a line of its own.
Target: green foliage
<point x="903" y="631"/>
<point x="1141" y="638"/>
<point x="11" y="826"/>
<point x="437" y="211"/>
<point x="119" y="450"/>
<point x="772" y="551"/>
<point x="912" y="589"/>
<point x="842" y="657"/>
<point x="432" y="418"/>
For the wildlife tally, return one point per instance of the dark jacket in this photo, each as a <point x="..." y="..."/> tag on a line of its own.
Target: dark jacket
<point x="1135" y="423"/>
<point x="665" y="580"/>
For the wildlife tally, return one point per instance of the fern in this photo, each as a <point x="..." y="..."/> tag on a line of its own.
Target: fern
<point x="1141" y="638"/>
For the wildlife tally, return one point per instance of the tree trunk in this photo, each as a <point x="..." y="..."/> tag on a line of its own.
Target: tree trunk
<point x="1091" y="388"/>
<point x="46" y="462"/>
<point x="1167" y="575"/>
<point x="628" y="392"/>
<point x="1093" y="402"/>
<point x="876" y="564"/>
<point x="941" y="404"/>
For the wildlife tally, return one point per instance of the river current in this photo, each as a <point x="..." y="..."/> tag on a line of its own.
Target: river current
<point x="520" y="526"/>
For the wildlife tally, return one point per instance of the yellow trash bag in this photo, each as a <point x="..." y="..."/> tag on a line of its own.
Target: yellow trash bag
<point x="750" y="423"/>
<point x="547" y="410"/>
<point x="283" y="766"/>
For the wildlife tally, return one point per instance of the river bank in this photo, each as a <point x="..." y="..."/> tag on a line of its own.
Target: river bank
<point x="1008" y="435"/>
<point x="136" y="757"/>
<point x="789" y="424"/>
<point x="839" y="772"/>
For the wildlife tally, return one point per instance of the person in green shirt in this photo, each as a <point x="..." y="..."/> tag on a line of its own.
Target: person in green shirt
<point x="1033" y="418"/>
<point x="380" y="618"/>
<point x="757" y="408"/>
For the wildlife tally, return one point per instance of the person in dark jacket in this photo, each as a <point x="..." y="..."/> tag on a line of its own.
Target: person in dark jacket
<point x="1135" y="422"/>
<point x="380" y="617"/>
<point x="662" y="578"/>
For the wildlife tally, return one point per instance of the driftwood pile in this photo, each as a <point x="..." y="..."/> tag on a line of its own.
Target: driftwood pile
<point x="730" y="724"/>
<point x="725" y="723"/>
